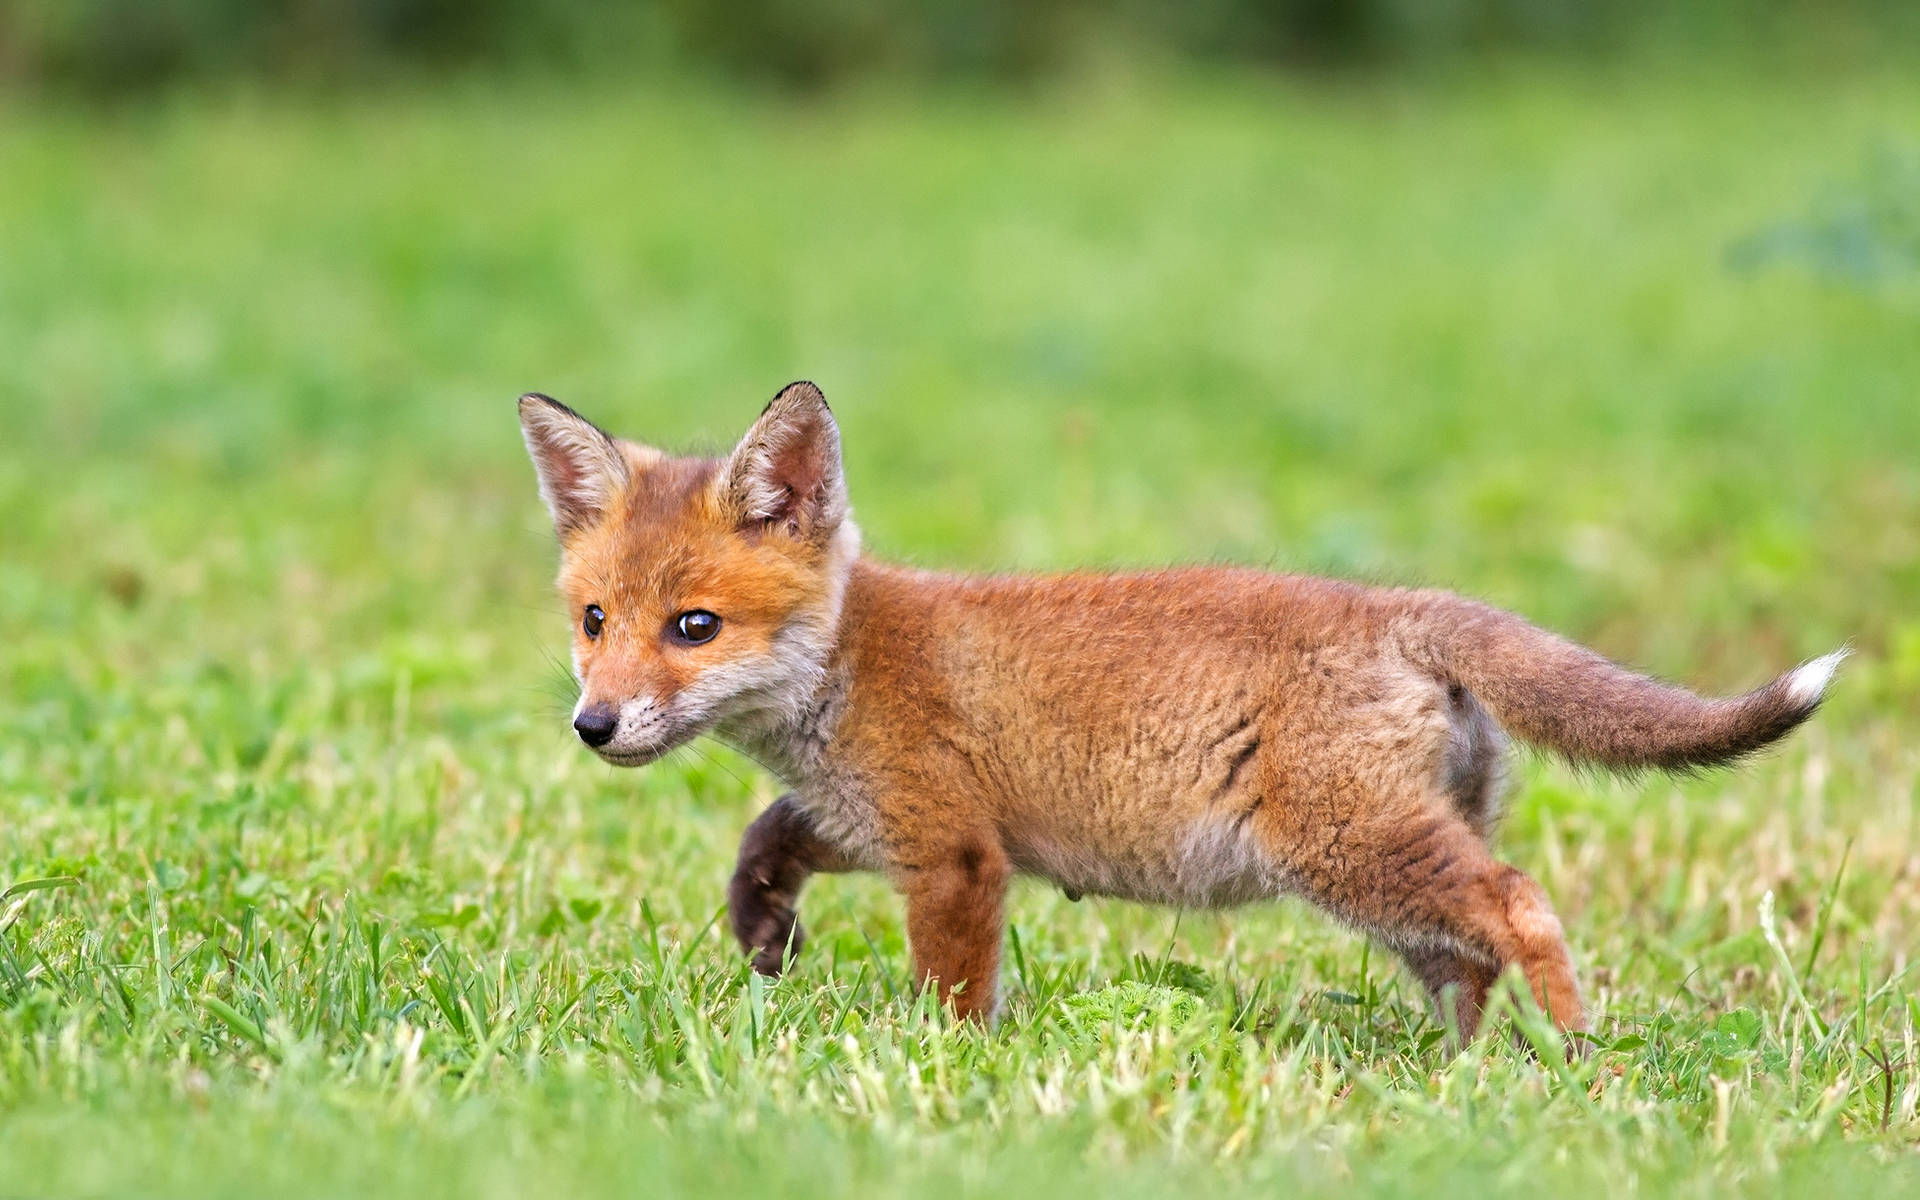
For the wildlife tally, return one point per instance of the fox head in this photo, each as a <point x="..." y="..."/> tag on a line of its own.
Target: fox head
<point x="702" y="592"/>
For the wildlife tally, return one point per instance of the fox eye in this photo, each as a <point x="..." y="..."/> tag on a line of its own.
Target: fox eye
<point x="593" y="620"/>
<point x="696" y="626"/>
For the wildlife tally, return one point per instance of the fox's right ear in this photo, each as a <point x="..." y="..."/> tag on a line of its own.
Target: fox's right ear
<point x="581" y="469"/>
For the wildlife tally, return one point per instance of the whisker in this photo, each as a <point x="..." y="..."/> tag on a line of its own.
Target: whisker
<point x="720" y="763"/>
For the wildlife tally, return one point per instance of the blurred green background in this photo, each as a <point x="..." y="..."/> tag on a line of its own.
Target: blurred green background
<point x="1607" y="313"/>
<point x="120" y="45"/>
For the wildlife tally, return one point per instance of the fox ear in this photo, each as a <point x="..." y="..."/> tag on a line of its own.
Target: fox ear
<point x="786" y="472"/>
<point x="581" y="469"/>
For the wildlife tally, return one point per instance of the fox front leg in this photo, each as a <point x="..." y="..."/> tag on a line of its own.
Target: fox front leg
<point x="778" y="852"/>
<point x="956" y="895"/>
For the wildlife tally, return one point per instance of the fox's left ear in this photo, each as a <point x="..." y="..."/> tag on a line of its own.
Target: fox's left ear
<point x="786" y="472"/>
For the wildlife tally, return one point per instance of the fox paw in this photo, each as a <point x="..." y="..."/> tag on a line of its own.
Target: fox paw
<point x="765" y="923"/>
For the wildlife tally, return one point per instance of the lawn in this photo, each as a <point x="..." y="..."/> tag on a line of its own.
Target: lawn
<point x="308" y="889"/>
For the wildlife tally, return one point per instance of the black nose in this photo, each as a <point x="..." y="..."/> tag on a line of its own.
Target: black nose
<point x="596" y="724"/>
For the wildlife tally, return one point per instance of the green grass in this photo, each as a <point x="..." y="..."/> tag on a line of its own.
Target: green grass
<point x="341" y="908"/>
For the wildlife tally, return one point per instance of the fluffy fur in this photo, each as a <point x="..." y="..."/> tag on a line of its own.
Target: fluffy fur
<point x="1201" y="737"/>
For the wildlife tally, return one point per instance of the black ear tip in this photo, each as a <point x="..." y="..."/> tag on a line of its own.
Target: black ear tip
<point x="800" y="391"/>
<point x="540" y="404"/>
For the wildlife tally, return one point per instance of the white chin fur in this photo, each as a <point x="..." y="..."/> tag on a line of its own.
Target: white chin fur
<point x="1809" y="681"/>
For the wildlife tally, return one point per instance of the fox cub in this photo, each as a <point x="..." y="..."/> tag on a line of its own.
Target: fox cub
<point x="1205" y="736"/>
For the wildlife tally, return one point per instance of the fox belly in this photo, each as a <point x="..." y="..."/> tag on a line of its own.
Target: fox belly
<point x="1210" y="861"/>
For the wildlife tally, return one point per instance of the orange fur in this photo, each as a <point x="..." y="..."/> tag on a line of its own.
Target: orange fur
<point x="1202" y="737"/>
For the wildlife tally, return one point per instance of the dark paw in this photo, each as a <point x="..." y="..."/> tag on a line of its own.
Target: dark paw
<point x="765" y="923"/>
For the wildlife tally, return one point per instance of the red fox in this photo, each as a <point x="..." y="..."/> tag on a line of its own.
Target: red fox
<point x="1206" y="736"/>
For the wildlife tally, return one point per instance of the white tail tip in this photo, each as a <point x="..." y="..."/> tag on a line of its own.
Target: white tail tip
<point x="1809" y="681"/>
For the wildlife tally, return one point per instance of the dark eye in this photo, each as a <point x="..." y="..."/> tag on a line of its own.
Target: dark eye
<point x="696" y="626"/>
<point x="593" y="620"/>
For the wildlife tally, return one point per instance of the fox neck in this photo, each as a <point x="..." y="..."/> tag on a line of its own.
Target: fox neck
<point x="786" y="727"/>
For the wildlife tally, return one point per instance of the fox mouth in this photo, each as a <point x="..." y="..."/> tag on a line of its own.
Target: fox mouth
<point x="638" y="739"/>
<point x="640" y="756"/>
<point x="635" y="758"/>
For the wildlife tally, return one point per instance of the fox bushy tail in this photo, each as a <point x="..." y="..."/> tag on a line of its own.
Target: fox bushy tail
<point x="1553" y="693"/>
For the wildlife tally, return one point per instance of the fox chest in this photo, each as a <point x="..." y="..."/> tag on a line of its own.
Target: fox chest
<point x="845" y="814"/>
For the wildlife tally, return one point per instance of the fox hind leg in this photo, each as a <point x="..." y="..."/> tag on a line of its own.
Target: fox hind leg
<point x="1421" y="879"/>
<point x="1458" y="983"/>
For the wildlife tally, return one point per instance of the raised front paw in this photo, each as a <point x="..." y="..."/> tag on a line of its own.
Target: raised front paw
<point x="764" y="921"/>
